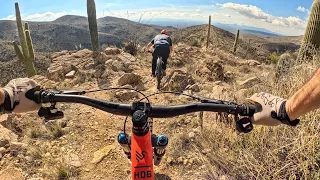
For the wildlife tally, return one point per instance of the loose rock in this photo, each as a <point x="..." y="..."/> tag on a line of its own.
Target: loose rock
<point x="99" y="155"/>
<point x="71" y="74"/>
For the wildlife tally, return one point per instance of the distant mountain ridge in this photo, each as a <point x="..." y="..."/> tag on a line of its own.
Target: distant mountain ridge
<point x="228" y="27"/>
<point x="68" y="32"/>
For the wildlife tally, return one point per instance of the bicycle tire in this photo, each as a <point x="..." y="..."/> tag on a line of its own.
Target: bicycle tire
<point x="159" y="72"/>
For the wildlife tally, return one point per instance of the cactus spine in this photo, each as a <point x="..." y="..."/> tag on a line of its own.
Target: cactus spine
<point x="93" y="27"/>
<point x="236" y="42"/>
<point x="311" y="39"/>
<point x="26" y="52"/>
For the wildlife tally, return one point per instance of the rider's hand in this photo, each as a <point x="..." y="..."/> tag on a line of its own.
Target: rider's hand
<point x="15" y="96"/>
<point x="146" y="51"/>
<point x="271" y="110"/>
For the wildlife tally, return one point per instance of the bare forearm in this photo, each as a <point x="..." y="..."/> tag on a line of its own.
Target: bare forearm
<point x="149" y="46"/>
<point x="306" y="99"/>
<point x="1" y="96"/>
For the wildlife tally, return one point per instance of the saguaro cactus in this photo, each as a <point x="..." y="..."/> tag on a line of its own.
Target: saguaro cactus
<point x="93" y="27"/>
<point x="26" y="56"/>
<point x="311" y="39"/>
<point x="236" y="42"/>
<point x="209" y="30"/>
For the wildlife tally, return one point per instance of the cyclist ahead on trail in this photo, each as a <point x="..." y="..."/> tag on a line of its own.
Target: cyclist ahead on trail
<point x="162" y="45"/>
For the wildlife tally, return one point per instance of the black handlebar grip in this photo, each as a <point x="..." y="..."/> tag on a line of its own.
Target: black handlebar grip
<point x="34" y="95"/>
<point x="251" y="110"/>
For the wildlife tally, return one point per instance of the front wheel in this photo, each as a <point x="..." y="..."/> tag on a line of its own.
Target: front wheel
<point x="159" y="72"/>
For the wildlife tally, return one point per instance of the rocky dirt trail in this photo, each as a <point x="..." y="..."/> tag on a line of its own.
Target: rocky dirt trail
<point x="83" y="144"/>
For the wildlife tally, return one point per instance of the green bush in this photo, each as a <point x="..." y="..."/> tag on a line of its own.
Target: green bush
<point x="274" y="57"/>
<point x="196" y="43"/>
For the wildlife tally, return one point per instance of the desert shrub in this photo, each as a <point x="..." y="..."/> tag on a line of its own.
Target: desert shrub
<point x="273" y="57"/>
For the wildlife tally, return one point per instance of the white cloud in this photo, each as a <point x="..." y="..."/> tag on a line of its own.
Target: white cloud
<point x="246" y="10"/>
<point x="47" y="16"/>
<point x="198" y="10"/>
<point x="253" y="12"/>
<point x="10" y="17"/>
<point x="73" y="11"/>
<point x="302" y="9"/>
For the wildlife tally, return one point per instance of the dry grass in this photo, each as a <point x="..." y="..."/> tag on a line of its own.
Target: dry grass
<point x="63" y="173"/>
<point x="267" y="152"/>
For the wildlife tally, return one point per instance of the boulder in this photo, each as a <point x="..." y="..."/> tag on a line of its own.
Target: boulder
<point x="101" y="58"/>
<point x="71" y="74"/>
<point x="249" y="82"/>
<point x="99" y="155"/>
<point x="108" y="63"/>
<point x="4" y="119"/>
<point x="44" y="81"/>
<point x="112" y="51"/>
<point x="126" y="95"/>
<point x="73" y="160"/>
<point x="250" y="63"/>
<point x="116" y="66"/>
<point x="216" y="69"/>
<point x="130" y="78"/>
<point x="229" y="76"/>
<point x="82" y="53"/>
<point x="54" y="72"/>
<point x="66" y="61"/>
<point x="194" y="88"/>
<point x="7" y="136"/>
<point x="178" y="81"/>
<point x="88" y="66"/>
<point x="11" y="173"/>
<point x="18" y="147"/>
<point x="126" y="57"/>
<point x="204" y="72"/>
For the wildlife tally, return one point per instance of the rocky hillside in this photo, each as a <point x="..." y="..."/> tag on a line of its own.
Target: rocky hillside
<point x="250" y="46"/>
<point x="68" y="32"/>
<point x="83" y="144"/>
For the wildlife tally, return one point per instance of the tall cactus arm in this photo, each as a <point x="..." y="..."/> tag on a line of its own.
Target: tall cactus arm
<point x="30" y="45"/>
<point x="311" y="39"/>
<point x="92" y="19"/>
<point x="26" y="26"/>
<point x="18" y="52"/>
<point x="236" y="42"/>
<point x="22" y="36"/>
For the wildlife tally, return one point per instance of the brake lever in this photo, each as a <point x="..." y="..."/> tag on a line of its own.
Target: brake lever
<point x="215" y="101"/>
<point x="244" y="124"/>
<point x="50" y="113"/>
<point x="55" y="91"/>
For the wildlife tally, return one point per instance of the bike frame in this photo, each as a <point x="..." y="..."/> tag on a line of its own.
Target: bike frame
<point x="142" y="157"/>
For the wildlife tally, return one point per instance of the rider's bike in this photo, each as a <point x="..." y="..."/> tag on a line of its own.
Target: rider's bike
<point x="159" y="71"/>
<point x="143" y="148"/>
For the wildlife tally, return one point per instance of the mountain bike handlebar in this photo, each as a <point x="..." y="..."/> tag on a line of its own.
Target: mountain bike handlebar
<point x="155" y="111"/>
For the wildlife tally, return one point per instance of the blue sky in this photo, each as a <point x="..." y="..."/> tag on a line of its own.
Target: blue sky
<point x="282" y="16"/>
